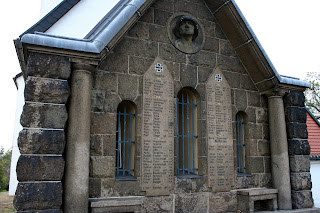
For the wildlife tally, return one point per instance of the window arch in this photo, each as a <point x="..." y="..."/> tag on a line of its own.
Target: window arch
<point x="125" y="140"/>
<point x="241" y="142"/>
<point x="187" y="137"/>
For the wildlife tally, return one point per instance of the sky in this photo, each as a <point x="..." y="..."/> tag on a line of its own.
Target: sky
<point x="287" y="29"/>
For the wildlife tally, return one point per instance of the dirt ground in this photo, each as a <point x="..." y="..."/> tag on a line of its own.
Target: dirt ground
<point x="6" y="202"/>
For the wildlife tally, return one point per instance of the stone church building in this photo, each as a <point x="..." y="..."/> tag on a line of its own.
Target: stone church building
<point x="157" y="106"/>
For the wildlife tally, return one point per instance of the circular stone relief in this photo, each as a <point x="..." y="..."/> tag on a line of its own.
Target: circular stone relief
<point x="185" y="33"/>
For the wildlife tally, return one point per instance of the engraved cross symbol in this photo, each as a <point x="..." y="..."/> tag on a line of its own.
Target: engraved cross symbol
<point x="159" y="67"/>
<point x="218" y="78"/>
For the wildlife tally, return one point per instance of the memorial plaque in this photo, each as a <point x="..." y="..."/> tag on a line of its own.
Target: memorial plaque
<point x="157" y="131"/>
<point x="219" y="133"/>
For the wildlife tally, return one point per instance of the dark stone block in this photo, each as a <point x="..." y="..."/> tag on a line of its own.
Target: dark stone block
<point x="223" y="202"/>
<point x="139" y="65"/>
<point x="148" y="16"/>
<point x="111" y="102"/>
<point x="204" y="74"/>
<point x="298" y="147"/>
<point x="296" y="114"/>
<point x="136" y="47"/>
<point x="244" y="182"/>
<point x="37" y="115"/>
<point x="211" y="44"/>
<point x="36" y="141"/>
<point x="161" y="17"/>
<point x="169" y="53"/>
<point x="262" y="115"/>
<point x="40" y="168"/>
<point x="232" y="78"/>
<point x="300" y="163"/>
<point x="48" y="66"/>
<point x="127" y="87"/>
<point x="230" y="63"/>
<point x="46" y="90"/>
<point x="111" y="188"/>
<point x="139" y="30"/>
<point x="294" y="98"/>
<point x="96" y="144"/>
<point x="94" y="187"/>
<point x="263" y="148"/>
<point x="241" y="101"/>
<point x="97" y="100"/>
<point x="203" y="59"/>
<point x="301" y="199"/>
<point x="185" y="6"/>
<point x="190" y="185"/>
<point x="188" y="76"/>
<point x="103" y="123"/>
<point x="158" y="204"/>
<point x="300" y="181"/>
<point x="114" y="63"/>
<point x="251" y="114"/>
<point x="297" y="130"/>
<point x="158" y="33"/>
<point x="226" y="48"/>
<point x="109" y="145"/>
<point x="265" y="179"/>
<point x="164" y="5"/>
<point x="204" y="12"/>
<point x="191" y="202"/>
<point x="102" y="166"/>
<point x="38" y="196"/>
<point x="256" y="165"/>
<point x="106" y="81"/>
<point x="219" y="33"/>
<point x="247" y="83"/>
<point x="209" y="27"/>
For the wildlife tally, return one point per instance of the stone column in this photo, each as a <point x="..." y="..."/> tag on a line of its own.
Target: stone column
<point x="78" y="141"/>
<point x="279" y="150"/>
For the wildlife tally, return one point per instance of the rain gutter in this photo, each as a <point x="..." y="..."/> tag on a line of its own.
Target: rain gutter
<point x="108" y="30"/>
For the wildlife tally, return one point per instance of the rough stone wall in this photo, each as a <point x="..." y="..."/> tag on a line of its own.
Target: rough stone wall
<point x="299" y="150"/>
<point x="119" y="77"/>
<point x="40" y="167"/>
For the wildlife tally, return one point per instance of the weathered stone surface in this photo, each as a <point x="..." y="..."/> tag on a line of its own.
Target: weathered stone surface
<point x="204" y="74"/>
<point x="188" y="75"/>
<point x="158" y="204"/>
<point x="97" y="100"/>
<point x="211" y="44"/>
<point x="94" y="187"/>
<point x="253" y="98"/>
<point x="136" y="47"/>
<point x="203" y="59"/>
<point x="161" y="17"/>
<point x="262" y="115"/>
<point x="223" y="202"/>
<point x="139" y="30"/>
<point x="256" y="165"/>
<point x="296" y="114"/>
<point x="158" y="33"/>
<point x="46" y="90"/>
<point x="109" y="145"/>
<point x="294" y="98"/>
<point x="38" y="196"/>
<point x="48" y="66"/>
<point x="102" y="166"/>
<point x="302" y="199"/>
<point x="232" y="78"/>
<point x="209" y="27"/>
<point x="255" y="131"/>
<point x="169" y="53"/>
<point x="191" y="202"/>
<point x="105" y="81"/>
<point x="244" y="182"/>
<point x="185" y="6"/>
<point x="96" y="144"/>
<point x="226" y="48"/>
<point x="113" y="63"/>
<point x="138" y="65"/>
<point x="103" y="123"/>
<point x="127" y="87"/>
<point x="191" y="185"/>
<point x="37" y="141"/>
<point x="40" y="168"/>
<point x="263" y="148"/>
<point x="166" y="5"/>
<point x="37" y="115"/>
<point x="298" y="147"/>
<point x="300" y="181"/>
<point x="297" y="130"/>
<point x="112" y="188"/>
<point x="247" y="83"/>
<point x="230" y="63"/>
<point x="299" y="163"/>
<point x="111" y="102"/>
<point x="241" y="100"/>
<point x="265" y="179"/>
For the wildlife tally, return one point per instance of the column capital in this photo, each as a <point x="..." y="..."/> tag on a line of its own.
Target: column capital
<point x="83" y="67"/>
<point x="276" y="92"/>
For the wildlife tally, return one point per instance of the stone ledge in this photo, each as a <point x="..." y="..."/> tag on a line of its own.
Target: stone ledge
<point x="257" y="191"/>
<point x="117" y="201"/>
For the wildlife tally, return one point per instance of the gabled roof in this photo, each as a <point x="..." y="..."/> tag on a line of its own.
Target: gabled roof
<point x="112" y="27"/>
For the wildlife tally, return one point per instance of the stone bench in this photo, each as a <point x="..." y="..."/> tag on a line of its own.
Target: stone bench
<point x="264" y="198"/>
<point x="116" y="204"/>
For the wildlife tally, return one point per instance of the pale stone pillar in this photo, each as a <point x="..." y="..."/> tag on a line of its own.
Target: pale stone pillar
<point x="76" y="185"/>
<point x="279" y="150"/>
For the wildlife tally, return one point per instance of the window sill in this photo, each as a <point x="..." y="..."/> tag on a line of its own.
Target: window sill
<point x="126" y="178"/>
<point x="191" y="176"/>
<point x="244" y="175"/>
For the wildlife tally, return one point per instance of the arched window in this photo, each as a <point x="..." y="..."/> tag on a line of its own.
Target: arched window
<point x="241" y="145"/>
<point x="125" y="140"/>
<point x="187" y="139"/>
